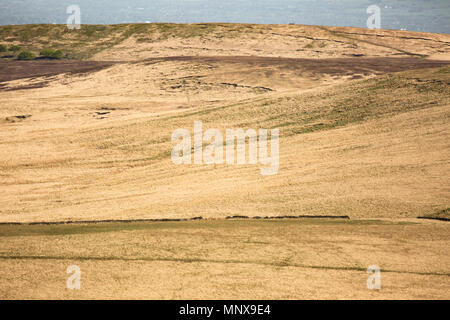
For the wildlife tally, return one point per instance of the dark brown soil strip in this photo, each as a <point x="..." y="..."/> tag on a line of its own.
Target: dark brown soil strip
<point x="288" y="217"/>
<point x="434" y="218"/>
<point x="98" y="221"/>
<point x="14" y="69"/>
<point x="30" y="86"/>
<point x="167" y="220"/>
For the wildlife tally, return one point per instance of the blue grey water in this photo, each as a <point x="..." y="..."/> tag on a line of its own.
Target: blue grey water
<point x="415" y="15"/>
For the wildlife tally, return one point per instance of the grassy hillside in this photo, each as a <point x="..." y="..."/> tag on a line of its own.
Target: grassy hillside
<point x="363" y="119"/>
<point x="362" y="132"/>
<point x="375" y="147"/>
<point x="138" y="41"/>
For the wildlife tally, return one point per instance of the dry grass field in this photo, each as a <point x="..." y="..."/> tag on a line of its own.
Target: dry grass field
<point x="364" y="132"/>
<point x="257" y="259"/>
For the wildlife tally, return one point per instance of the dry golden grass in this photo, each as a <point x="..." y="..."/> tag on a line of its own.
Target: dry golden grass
<point x="357" y="138"/>
<point x="364" y="148"/>
<point x="249" y="259"/>
<point x="127" y="42"/>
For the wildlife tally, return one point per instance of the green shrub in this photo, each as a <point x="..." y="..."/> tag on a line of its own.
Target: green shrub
<point x="2" y="48"/>
<point x="58" y="54"/>
<point x="52" y="54"/>
<point x="26" y="55"/>
<point x="46" y="52"/>
<point x="14" y="48"/>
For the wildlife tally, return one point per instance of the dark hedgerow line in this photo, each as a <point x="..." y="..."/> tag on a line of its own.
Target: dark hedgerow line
<point x="167" y="220"/>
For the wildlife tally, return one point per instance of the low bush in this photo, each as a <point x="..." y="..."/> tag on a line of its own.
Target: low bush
<point x="14" y="48"/>
<point x="26" y="55"/>
<point x="51" y="54"/>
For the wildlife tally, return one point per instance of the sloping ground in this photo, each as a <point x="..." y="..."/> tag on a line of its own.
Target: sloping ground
<point x="97" y="146"/>
<point x="293" y="41"/>
<point x="125" y="42"/>
<point x="280" y="74"/>
<point x="91" y="140"/>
